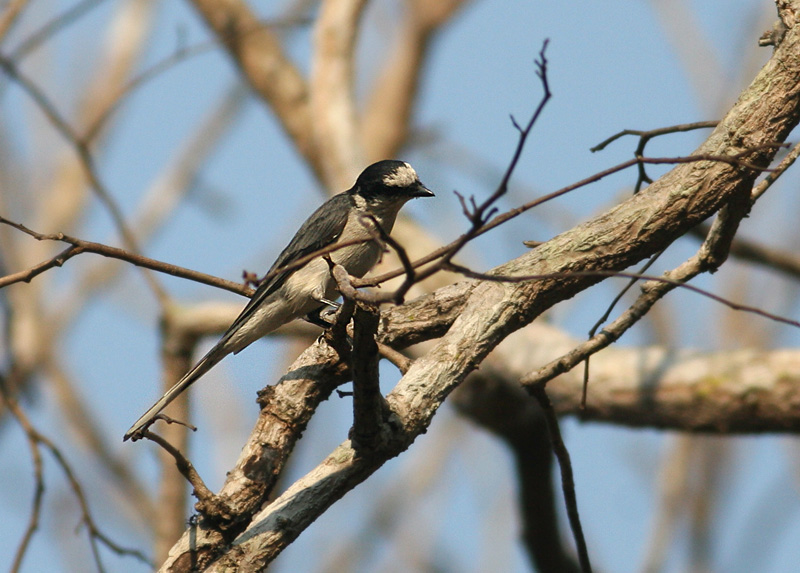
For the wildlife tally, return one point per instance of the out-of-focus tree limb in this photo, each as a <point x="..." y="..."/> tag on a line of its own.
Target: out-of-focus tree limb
<point x="387" y="117"/>
<point x="10" y="15"/>
<point x="257" y="51"/>
<point x="333" y="106"/>
<point x="492" y="399"/>
<point x="734" y="391"/>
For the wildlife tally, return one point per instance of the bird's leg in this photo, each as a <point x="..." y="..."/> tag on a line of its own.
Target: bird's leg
<point x="331" y="303"/>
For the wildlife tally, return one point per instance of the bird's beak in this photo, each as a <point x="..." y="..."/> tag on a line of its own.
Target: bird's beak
<point x="422" y="191"/>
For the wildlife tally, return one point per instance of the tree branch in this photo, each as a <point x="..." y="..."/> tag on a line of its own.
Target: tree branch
<point x="333" y="107"/>
<point x="257" y="52"/>
<point x="368" y="403"/>
<point x="642" y="225"/>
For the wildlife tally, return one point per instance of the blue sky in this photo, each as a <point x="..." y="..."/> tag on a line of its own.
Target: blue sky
<point x="613" y="65"/>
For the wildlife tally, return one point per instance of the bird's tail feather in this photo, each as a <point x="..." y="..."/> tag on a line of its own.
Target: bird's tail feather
<point x="204" y="365"/>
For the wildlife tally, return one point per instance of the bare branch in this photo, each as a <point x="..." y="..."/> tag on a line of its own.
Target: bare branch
<point x="368" y="403"/>
<point x="333" y="106"/>
<point x="647" y="135"/>
<point x="27" y="275"/>
<point x="208" y="503"/>
<point x="35" y="441"/>
<point x="256" y="50"/>
<point x="80" y="246"/>
<point x="567" y="477"/>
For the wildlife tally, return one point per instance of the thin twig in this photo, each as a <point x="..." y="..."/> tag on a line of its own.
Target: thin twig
<point x="606" y="315"/>
<point x="498" y="220"/>
<point x="36" y="439"/>
<point x="709" y="257"/>
<point x="775" y="173"/>
<point x="567" y="476"/>
<point x="187" y="469"/>
<point x="81" y="246"/>
<point x="411" y="276"/>
<point x="86" y="158"/>
<point x="479" y="215"/>
<point x="651" y="133"/>
<point x="645" y="137"/>
<point x="621" y="274"/>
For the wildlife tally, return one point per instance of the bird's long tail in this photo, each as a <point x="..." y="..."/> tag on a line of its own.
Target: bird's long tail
<point x="212" y="357"/>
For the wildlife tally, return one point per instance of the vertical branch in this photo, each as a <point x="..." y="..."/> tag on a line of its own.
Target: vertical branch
<point x="333" y="108"/>
<point x="387" y="116"/>
<point x="38" y="475"/>
<point x="171" y="507"/>
<point x="368" y="403"/>
<point x="567" y="477"/>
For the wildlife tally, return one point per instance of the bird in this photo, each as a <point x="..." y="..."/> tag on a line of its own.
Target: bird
<point x="377" y="196"/>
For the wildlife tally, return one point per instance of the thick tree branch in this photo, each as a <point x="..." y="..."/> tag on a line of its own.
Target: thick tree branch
<point x="286" y="408"/>
<point x="765" y="113"/>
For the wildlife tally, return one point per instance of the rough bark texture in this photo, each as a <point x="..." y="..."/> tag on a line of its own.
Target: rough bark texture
<point x="764" y="114"/>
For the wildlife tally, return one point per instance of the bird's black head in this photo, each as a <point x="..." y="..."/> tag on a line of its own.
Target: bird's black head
<point x="390" y="179"/>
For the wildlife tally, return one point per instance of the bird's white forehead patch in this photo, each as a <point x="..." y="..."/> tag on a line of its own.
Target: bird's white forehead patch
<point x="403" y="176"/>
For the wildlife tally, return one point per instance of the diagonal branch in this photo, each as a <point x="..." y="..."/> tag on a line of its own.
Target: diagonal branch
<point x="257" y="52"/>
<point x="646" y="223"/>
<point x="616" y="239"/>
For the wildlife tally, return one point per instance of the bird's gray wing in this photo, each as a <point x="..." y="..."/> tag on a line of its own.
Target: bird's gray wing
<point x="321" y="229"/>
